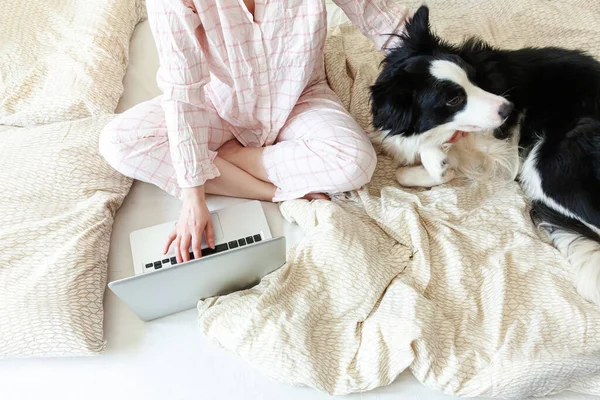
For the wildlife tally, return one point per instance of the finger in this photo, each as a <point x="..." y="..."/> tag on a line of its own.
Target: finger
<point x="170" y="239"/>
<point x="184" y="247"/>
<point x="210" y="234"/>
<point x="177" y="252"/>
<point x="196" y="244"/>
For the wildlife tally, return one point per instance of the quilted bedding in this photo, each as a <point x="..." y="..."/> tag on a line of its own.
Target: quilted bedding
<point x="60" y="60"/>
<point x="453" y="283"/>
<point x="57" y="204"/>
<point x="63" y="59"/>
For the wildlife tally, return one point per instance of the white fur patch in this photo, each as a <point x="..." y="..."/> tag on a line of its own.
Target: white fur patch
<point x="584" y="256"/>
<point x="448" y="71"/>
<point x="482" y="111"/>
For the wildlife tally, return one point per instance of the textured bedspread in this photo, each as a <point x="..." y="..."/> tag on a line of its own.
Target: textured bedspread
<point x="60" y="60"/>
<point x="63" y="59"/>
<point x="57" y="204"/>
<point x="454" y="282"/>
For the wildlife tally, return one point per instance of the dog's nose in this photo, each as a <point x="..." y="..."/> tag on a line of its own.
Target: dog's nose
<point x="506" y="109"/>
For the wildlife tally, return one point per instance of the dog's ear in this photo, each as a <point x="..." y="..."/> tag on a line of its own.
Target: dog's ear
<point x="418" y="36"/>
<point x="392" y="107"/>
<point x="419" y="22"/>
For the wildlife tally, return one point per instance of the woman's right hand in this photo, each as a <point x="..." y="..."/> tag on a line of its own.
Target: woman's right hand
<point x="194" y="220"/>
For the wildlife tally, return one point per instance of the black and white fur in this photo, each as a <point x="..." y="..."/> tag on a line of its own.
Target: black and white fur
<point x="420" y="101"/>
<point x="429" y="88"/>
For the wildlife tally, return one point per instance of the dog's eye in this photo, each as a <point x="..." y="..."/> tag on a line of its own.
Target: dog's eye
<point x="458" y="100"/>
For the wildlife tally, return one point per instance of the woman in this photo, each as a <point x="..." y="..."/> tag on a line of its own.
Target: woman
<point x="246" y="110"/>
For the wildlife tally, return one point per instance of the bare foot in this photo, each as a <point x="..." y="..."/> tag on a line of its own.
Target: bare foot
<point x="316" y="196"/>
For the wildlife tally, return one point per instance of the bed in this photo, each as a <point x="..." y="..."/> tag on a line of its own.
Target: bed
<point x="167" y="358"/>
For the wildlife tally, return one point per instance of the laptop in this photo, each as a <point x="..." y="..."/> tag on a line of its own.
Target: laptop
<point x="244" y="252"/>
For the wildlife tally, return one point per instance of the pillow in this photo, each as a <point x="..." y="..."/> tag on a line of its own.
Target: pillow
<point x="57" y="204"/>
<point x="518" y="23"/>
<point x="63" y="59"/>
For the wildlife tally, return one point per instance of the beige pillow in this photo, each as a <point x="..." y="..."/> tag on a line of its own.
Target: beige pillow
<point x="514" y="24"/>
<point x="63" y="59"/>
<point x="57" y="204"/>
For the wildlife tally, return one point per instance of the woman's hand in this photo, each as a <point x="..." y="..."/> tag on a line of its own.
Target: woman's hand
<point x="194" y="220"/>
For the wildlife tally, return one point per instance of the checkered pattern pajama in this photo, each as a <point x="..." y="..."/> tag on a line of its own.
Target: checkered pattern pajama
<point x="258" y="77"/>
<point x="319" y="149"/>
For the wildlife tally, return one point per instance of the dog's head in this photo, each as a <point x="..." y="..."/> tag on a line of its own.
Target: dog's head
<point x="425" y="87"/>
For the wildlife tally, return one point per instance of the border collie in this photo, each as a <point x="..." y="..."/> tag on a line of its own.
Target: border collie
<point x="545" y="99"/>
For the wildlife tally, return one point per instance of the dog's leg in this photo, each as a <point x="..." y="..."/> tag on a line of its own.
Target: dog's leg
<point x="584" y="256"/>
<point x="435" y="161"/>
<point x="562" y="181"/>
<point x="418" y="176"/>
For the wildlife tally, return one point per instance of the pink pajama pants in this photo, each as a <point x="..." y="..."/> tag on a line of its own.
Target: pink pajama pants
<point x="320" y="148"/>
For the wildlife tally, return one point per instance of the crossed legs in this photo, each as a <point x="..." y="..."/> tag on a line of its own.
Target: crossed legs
<point x="320" y="149"/>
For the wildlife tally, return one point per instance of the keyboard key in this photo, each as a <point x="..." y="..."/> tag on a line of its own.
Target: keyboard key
<point x="173" y="260"/>
<point x="166" y="260"/>
<point x="149" y="265"/>
<point x="221" y="247"/>
<point x="257" y="238"/>
<point x="157" y="265"/>
<point x="249" y="240"/>
<point x="207" y="252"/>
<point x="242" y="242"/>
<point x="191" y="256"/>
<point x="233" y="244"/>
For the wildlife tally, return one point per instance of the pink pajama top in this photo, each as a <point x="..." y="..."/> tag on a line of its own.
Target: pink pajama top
<point x="251" y="70"/>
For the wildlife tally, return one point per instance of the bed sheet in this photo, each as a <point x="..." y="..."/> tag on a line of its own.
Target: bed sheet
<point x="167" y="358"/>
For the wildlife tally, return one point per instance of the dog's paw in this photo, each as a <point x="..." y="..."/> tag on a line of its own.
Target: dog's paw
<point x="418" y="176"/>
<point x="444" y="166"/>
<point x="435" y="162"/>
<point x="439" y="170"/>
<point x="448" y="175"/>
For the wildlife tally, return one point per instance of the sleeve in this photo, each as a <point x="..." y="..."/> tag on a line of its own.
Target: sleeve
<point x="376" y="19"/>
<point x="181" y="76"/>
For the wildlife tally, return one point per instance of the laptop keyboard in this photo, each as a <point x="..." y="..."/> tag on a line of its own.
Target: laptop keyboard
<point x="167" y="262"/>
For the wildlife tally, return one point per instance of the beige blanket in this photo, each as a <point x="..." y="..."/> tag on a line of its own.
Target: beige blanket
<point x="453" y="282"/>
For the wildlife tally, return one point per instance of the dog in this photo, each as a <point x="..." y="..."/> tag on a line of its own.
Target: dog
<point x="545" y="100"/>
<point x="432" y="120"/>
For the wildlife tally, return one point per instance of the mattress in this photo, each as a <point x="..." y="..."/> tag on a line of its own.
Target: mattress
<point x="167" y="358"/>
